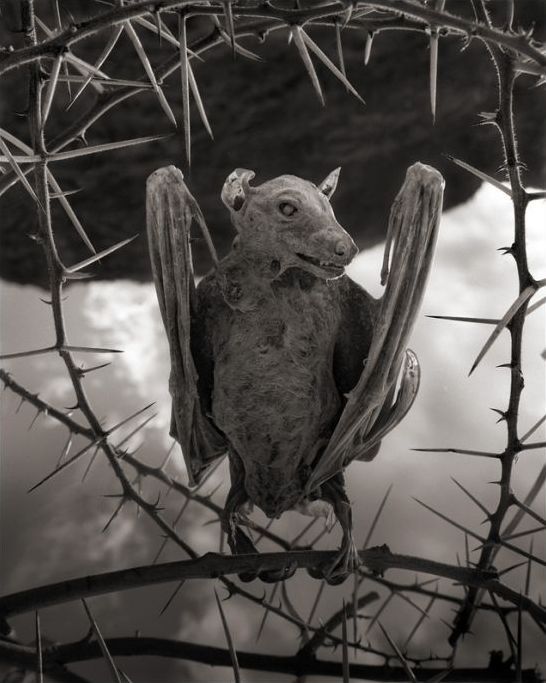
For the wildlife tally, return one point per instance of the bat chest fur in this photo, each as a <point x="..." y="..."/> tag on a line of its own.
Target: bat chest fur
<point x="274" y="392"/>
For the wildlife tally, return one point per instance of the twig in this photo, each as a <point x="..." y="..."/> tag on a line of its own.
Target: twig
<point x="333" y="622"/>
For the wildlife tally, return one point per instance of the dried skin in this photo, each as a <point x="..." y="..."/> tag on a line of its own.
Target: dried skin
<point x="268" y="353"/>
<point x="275" y="395"/>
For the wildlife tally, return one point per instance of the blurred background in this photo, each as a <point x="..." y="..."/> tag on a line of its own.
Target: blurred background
<point x="265" y="116"/>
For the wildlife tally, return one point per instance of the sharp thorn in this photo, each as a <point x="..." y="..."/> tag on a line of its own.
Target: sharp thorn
<point x="368" y="47"/>
<point x="172" y="597"/>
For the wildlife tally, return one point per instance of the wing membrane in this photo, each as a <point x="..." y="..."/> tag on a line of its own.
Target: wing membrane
<point x="170" y="210"/>
<point x="411" y="237"/>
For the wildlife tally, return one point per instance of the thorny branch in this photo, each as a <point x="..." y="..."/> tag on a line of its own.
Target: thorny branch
<point x="214" y="656"/>
<point x="214" y="565"/>
<point x="56" y="280"/>
<point x="78" y="32"/>
<point x="504" y="62"/>
<point x="107" y="101"/>
<point x="159" y="474"/>
<point x="512" y="52"/>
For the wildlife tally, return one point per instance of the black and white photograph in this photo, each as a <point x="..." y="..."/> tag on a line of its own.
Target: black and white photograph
<point x="272" y="341"/>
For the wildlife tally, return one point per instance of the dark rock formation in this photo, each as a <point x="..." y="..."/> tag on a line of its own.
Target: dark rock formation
<point x="266" y="117"/>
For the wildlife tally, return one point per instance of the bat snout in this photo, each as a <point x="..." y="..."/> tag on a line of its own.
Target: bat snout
<point x="328" y="253"/>
<point x="345" y="250"/>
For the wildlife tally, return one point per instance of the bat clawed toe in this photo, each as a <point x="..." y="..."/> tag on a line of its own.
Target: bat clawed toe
<point x="276" y="575"/>
<point x="240" y="543"/>
<point x="345" y="563"/>
<point x="247" y="577"/>
<point x="316" y="572"/>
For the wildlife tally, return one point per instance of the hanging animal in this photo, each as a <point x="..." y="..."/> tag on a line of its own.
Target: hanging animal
<point x="280" y="359"/>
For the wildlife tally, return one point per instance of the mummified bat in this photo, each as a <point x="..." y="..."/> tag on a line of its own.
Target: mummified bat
<point x="278" y="358"/>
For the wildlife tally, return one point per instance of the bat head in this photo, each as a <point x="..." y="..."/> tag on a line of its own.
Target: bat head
<point x="290" y="221"/>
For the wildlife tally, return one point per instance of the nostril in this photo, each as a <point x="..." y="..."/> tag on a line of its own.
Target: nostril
<point x="341" y="248"/>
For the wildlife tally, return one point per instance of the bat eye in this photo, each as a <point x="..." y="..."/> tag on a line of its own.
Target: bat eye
<point x="287" y="209"/>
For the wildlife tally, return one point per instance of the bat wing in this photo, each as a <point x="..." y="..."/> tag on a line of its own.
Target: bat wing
<point x="371" y="410"/>
<point x="170" y="211"/>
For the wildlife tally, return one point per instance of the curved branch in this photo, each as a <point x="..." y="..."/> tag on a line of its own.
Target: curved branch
<point x="213" y="565"/>
<point x="77" y="32"/>
<point x="108" y="101"/>
<point x="216" y="656"/>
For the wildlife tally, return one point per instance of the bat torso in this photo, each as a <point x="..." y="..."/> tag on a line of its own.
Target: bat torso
<point x="278" y="357"/>
<point x="274" y="394"/>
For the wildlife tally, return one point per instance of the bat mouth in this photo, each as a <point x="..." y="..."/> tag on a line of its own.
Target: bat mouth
<point x="327" y="267"/>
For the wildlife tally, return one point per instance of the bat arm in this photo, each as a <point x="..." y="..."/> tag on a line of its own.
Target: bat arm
<point x="170" y="210"/>
<point x="411" y="238"/>
<point x="407" y="393"/>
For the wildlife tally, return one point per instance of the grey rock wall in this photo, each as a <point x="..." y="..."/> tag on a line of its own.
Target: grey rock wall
<point x="265" y="116"/>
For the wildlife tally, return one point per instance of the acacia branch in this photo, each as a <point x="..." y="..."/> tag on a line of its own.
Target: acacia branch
<point x="107" y="101"/>
<point x="479" y="580"/>
<point x="321" y="635"/>
<point x="56" y="279"/>
<point x="142" y="468"/>
<point x="214" y="656"/>
<point x="160" y="475"/>
<point x="79" y="31"/>
<point x="213" y="565"/>
<point x="419" y="589"/>
<point x="504" y="63"/>
<point x="43" y="407"/>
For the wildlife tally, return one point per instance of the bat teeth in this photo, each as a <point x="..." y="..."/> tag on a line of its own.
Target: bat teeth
<point x="322" y="263"/>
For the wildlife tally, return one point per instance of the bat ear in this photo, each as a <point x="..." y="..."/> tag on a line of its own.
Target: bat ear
<point x="329" y="184"/>
<point x="236" y="188"/>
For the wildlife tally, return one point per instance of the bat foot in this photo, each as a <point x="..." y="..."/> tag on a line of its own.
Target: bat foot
<point x="345" y="563"/>
<point x="240" y="544"/>
<point x="275" y="575"/>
